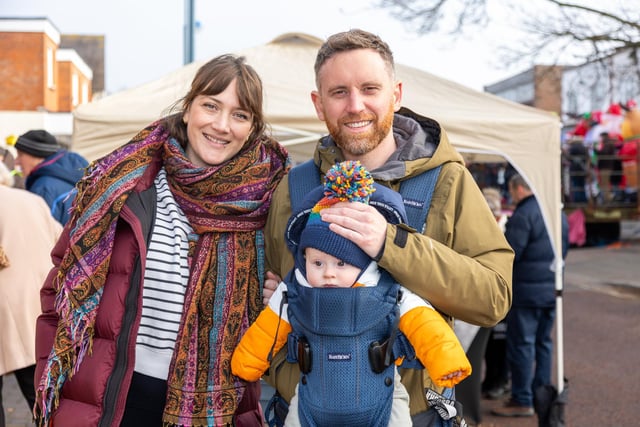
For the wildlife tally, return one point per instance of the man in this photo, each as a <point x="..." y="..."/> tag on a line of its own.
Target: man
<point x="50" y="171"/>
<point x="461" y="264"/>
<point x="532" y="314"/>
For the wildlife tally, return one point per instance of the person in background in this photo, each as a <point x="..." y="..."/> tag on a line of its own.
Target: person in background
<point x="496" y="379"/>
<point x="8" y="157"/>
<point x="28" y="232"/>
<point x="461" y="262"/>
<point x="50" y="171"/>
<point x="579" y="169"/>
<point x="493" y="196"/>
<point x="531" y="318"/>
<point x="158" y="273"/>
<point x="349" y="321"/>
<point x="607" y="163"/>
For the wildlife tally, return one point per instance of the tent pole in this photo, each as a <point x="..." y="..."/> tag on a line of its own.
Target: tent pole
<point x="559" y="343"/>
<point x="559" y="313"/>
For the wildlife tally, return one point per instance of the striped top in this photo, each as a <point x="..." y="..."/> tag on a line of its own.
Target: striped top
<point x="165" y="284"/>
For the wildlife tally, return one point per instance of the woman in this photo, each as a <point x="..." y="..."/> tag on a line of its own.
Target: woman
<point x="160" y="269"/>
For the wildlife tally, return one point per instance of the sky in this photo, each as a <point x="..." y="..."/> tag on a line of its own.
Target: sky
<point x="144" y="38"/>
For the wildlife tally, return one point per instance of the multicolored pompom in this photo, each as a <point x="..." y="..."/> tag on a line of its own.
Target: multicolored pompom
<point x="348" y="181"/>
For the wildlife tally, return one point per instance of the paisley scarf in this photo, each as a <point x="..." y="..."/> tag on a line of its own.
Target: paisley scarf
<point x="227" y="207"/>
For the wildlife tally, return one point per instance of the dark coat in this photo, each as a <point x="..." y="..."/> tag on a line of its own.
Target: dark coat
<point x="55" y="177"/>
<point x="533" y="266"/>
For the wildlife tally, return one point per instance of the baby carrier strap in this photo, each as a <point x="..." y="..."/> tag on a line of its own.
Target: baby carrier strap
<point x="417" y="193"/>
<point x="302" y="179"/>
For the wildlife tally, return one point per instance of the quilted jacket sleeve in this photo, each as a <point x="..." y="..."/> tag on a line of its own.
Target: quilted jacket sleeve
<point x="267" y="335"/>
<point x="436" y="345"/>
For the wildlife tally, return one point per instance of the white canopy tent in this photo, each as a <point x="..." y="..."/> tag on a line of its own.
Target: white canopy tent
<point x="478" y="124"/>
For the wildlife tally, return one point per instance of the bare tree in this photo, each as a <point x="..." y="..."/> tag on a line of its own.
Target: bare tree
<point x="568" y="32"/>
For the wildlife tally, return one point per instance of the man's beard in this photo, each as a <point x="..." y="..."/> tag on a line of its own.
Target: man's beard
<point x="365" y="142"/>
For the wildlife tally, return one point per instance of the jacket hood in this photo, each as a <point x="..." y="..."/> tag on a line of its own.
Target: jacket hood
<point x="63" y="165"/>
<point x="422" y="144"/>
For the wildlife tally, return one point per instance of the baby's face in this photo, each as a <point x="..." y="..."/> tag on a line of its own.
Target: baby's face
<point x="326" y="271"/>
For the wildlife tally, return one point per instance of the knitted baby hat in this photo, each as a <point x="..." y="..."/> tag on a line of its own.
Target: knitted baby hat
<point x="347" y="181"/>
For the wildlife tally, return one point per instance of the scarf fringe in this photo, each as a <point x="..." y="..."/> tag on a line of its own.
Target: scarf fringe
<point x="199" y="422"/>
<point x="66" y="363"/>
<point x="48" y="392"/>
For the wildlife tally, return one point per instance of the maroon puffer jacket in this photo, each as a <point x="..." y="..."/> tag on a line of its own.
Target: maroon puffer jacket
<point x="97" y="393"/>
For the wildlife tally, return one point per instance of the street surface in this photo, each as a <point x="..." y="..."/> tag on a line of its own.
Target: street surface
<point x="601" y="306"/>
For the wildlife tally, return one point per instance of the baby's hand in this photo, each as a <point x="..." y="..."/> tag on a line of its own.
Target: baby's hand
<point x="452" y="375"/>
<point x="271" y="282"/>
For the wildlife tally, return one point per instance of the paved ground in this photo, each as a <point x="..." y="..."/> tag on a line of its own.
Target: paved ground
<point x="602" y="297"/>
<point x="601" y="307"/>
<point x="15" y="406"/>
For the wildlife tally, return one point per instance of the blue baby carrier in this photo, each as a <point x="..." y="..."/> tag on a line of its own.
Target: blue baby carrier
<point x="348" y="379"/>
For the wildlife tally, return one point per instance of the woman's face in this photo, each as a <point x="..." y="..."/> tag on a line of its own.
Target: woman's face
<point x="217" y="127"/>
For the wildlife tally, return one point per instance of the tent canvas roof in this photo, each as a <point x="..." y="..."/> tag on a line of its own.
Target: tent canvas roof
<point x="478" y="123"/>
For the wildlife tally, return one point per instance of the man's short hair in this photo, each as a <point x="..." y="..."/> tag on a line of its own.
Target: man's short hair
<point x="517" y="180"/>
<point x="352" y="40"/>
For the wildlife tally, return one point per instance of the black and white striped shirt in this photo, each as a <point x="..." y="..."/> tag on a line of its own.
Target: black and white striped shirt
<point x="165" y="283"/>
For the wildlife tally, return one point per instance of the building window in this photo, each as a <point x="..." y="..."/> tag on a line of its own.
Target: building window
<point x="75" y="90"/>
<point x="50" y="62"/>
<point x="85" y="92"/>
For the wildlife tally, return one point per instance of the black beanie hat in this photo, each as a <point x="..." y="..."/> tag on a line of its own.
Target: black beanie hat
<point x="38" y="143"/>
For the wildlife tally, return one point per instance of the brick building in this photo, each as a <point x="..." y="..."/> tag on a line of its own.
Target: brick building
<point x="539" y="87"/>
<point x="40" y="83"/>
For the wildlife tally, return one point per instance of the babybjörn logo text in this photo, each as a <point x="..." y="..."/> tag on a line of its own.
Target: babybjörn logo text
<point x="339" y="357"/>
<point x="412" y="203"/>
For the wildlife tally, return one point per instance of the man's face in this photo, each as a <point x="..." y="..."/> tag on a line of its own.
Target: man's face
<point x="27" y="162"/>
<point x="356" y="98"/>
<point x="516" y="195"/>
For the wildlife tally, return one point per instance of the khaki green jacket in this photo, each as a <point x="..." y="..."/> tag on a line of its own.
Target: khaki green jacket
<point x="461" y="264"/>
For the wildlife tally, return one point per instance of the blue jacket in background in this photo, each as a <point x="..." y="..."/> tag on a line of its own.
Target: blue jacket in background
<point x="533" y="265"/>
<point x="55" y="178"/>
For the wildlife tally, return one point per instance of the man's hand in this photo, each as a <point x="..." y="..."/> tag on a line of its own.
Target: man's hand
<point x="358" y="222"/>
<point x="271" y="282"/>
